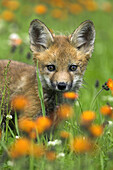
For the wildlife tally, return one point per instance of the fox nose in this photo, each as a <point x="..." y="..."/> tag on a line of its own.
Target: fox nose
<point x="61" y="86"/>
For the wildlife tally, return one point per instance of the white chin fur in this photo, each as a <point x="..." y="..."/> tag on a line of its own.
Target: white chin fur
<point x="47" y="80"/>
<point x="77" y="82"/>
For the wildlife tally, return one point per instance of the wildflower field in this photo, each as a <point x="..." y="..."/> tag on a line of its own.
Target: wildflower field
<point x="83" y="137"/>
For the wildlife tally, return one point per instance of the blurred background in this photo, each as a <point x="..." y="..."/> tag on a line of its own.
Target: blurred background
<point x="61" y="17"/>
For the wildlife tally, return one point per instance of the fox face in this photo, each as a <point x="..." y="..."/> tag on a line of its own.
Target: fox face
<point x="62" y="60"/>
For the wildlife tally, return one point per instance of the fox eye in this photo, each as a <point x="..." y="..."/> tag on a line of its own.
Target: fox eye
<point x="51" y="67"/>
<point x="72" y="67"/>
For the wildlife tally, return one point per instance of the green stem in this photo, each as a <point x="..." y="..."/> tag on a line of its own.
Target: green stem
<point x="80" y="105"/>
<point x="16" y="124"/>
<point x="4" y="147"/>
<point x="40" y="90"/>
<point x="11" y="131"/>
<point x="4" y="90"/>
<point x="7" y="123"/>
<point x="94" y="99"/>
<point x="31" y="160"/>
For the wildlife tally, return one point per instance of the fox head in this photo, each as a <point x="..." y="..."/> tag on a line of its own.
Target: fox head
<point x="62" y="60"/>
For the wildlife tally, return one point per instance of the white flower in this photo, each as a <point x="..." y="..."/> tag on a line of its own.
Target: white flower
<point x="10" y="163"/>
<point x="17" y="137"/>
<point x="108" y="132"/>
<point x="110" y="123"/>
<point x="61" y="155"/>
<point x="14" y="39"/>
<point x="77" y="103"/>
<point x="107" y="98"/>
<point x="9" y="117"/>
<point x="55" y="142"/>
<point x="14" y="36"/>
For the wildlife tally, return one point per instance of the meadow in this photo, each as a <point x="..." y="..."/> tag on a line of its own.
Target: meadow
<point x="85" y="140"/>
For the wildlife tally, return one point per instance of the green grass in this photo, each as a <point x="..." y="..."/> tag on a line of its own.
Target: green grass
<point x="99" y="68"/>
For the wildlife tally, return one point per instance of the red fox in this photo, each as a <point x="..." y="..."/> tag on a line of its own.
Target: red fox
<point x="62" y="61"/>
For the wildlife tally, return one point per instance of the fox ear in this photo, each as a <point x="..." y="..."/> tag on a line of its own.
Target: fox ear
<point x="40" y="36"/>
<point x="84" y="36"/>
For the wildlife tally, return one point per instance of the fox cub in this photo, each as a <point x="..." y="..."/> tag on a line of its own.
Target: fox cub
<point x="62" y="61"/>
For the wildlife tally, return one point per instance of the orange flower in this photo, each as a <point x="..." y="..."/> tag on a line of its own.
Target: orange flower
<point x="26" y="124"/>
<point x="19" y="102"/>
<point x="20" y="148"/>
<point x="58" y="14"/>
<point x="75" y="8"/>
<point x="81" y="144"/>
<point x="36" y="150"/>
<point x="107" y="7"/>
<point x="7" y="15"/>
<point x="23" y="147"/>
<point x="40" y="9"/>
<point x="111" y="116"/>
<point x="65" y="111"/>
<point x="15" y="40"/>
<point x="87" y="117"/>
<point x="58" y="3"/>
<point x="64" y="134"/>
<point x="33" y="134"/>
<point x="32" y="127"/>
<point x="96" y="130"/>
<point x="106" y="110"/>
<point x="42" y="124"/>
<point x="91" y="5"/>
<point x="110" y="84"/>
<point x="70" y="95"/>
<point x="12" y="4"/>
<point x="18" y="42"/>
<point x="51" y="155"/>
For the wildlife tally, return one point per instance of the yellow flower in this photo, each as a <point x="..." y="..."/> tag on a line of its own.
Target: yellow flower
<point x="40" y="9"/>
<point x="96" y="130"/>
<point x="87" y="117"/>
<point x="7" y="15"/>
<point x="110" y="84"/>
<point x="65" y="111"/>
<point x="70" y="95"/>
<point x="81" y="144"/>
<point x="106" y="110"/>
